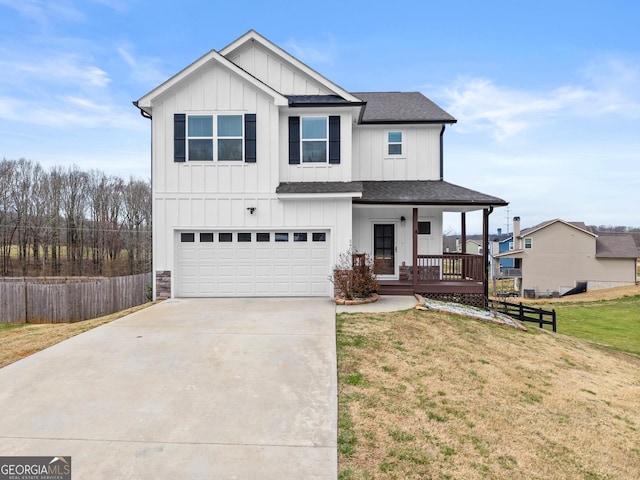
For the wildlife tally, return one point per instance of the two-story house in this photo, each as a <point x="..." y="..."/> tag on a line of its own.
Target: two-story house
<point x="555" y="256"/>
<point x="264" y="172"/>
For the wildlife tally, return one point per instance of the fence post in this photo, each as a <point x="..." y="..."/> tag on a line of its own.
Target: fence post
<point x="521" y="313"/>
<point x="26" y="301"/>
<point x="554" y="319"/>
<point x="540" y="317"/>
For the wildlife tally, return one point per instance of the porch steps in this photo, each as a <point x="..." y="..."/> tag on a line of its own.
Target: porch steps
<point x="395" y="289"/>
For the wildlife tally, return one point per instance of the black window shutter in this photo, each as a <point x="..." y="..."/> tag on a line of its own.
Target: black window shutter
<point x="250" y="138"/>
<point x="179" y="137"/>
<point x="294" y="140"/>
<point x="334" y="139"/>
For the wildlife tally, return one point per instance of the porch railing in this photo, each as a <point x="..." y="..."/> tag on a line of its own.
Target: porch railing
<point x="449" y="267"/>
<point x="510" y="272"/>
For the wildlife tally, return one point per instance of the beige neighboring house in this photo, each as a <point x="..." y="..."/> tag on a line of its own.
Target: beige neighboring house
<point x="554" y="256"/>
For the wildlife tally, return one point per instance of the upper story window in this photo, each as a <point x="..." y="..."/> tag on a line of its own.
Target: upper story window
<point x="211" y="138"/>
<point x="394" y="143"/>
<point x="222" y="143"/>
<point x="528" y="242"/>
<point x="314" y="140"/>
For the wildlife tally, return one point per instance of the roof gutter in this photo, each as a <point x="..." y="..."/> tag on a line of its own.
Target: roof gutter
<point x="144" y="113"/>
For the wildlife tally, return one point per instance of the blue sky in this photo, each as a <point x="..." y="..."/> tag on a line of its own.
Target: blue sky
<point x="546" y="93"/>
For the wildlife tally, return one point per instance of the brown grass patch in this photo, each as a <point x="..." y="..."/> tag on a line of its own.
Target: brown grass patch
<point x="21" y="340"/>
<point x="589" y="296"/>
<point x="428" y="395"/>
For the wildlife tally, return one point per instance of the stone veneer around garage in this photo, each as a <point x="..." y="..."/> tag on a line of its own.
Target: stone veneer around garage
<point x="163" y="284"/>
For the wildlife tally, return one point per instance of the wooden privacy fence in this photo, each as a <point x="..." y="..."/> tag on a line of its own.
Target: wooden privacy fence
<point x="526" y="314"/>
<point x="68" y="299"/>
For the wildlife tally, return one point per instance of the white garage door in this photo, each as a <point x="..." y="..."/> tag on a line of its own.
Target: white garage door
<point x="258" y="263"/>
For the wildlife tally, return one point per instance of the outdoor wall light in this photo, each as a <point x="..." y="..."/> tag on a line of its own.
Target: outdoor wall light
<point x="403" y="220"/>
<point x="251" y="210"/>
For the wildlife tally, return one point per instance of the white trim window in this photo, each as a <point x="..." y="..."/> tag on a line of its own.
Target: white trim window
<point x="528" y="243"/>
<point x="314" y="139"/>
<point x="227" y="137"/>
<point x="394" y="143"/>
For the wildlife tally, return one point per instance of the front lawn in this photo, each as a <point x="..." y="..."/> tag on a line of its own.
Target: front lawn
<point x="431" y="395"/>
<point x="615" y="323"/>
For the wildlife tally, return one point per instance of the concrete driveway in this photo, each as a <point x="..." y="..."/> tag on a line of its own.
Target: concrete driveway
<point x="186" y="389"/>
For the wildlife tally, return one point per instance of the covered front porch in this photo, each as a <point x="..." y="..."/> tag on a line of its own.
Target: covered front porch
<point x="409" y="265"/>
<point x="400" y="225"/>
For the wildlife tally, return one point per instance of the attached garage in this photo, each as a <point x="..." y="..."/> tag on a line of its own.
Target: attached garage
<point x="252" y="263"/>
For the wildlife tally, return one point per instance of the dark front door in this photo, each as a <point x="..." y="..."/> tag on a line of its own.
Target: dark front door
<point x="384" y="246"/>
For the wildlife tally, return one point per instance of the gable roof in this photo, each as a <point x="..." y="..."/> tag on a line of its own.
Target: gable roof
<point x="145" y="102"/>
<point x="253" y="36"/>
<point x="577" y="225"/>
<point x="406" y="192"/>
<point x="616" y="246"/>
<point x="401" y="107"/>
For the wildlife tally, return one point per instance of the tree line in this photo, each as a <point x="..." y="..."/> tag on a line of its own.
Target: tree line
<point x="66" y="221"/>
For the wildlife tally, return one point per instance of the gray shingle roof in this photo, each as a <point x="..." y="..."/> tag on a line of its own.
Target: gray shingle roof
<point x="616" y="246"/>
<point x="401" y="107"/>
<point x="319" y="187"/>
<point x="412" y="192"/>
<point x="424" y="192"/>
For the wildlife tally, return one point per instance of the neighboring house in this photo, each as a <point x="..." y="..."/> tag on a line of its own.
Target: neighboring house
<point x="506" y="245"/>
<point x="264" y="172"/>
<point x="554" y="256"/>
<point x="474" y="247"/>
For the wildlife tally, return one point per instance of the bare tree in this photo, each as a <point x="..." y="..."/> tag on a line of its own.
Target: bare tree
<point x="7" y="213"/>
<point x="74" y="188"/>
<point x="67" y="214"/>
<point x="137" y="215"/>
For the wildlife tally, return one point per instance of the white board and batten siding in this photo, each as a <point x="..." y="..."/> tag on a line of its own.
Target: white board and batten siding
<point x="216" y="197"/>
<point x="279" y="75"/>
<point x="420" y="159"/>
<point x="215" y="90"/>
<point x="308" y="265"/>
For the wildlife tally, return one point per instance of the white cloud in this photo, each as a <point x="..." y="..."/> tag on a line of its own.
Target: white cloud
<point x="66" y="68"/>
<point x="145" y="70"/>
<point x="505" y="111"/>
<point x="313" y="52"/>
<point x="607" y="86"/>
<point x="44" y="11"/>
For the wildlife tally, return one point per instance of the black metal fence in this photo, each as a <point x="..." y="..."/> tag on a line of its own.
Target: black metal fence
<point x="524" y="313"/>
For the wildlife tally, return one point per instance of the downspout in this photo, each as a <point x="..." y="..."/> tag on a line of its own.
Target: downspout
<point x="153" y="280"/>
<point x="442" y="152"/>
<point x="485" y="252"/>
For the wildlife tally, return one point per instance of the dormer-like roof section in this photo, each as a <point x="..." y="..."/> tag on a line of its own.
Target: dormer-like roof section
<point x="252" y="36"/>
<point x="400" y="107"/>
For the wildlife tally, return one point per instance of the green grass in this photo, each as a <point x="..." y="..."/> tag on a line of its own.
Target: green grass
<point x="615" y="323"/>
